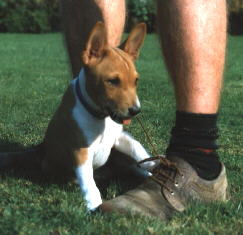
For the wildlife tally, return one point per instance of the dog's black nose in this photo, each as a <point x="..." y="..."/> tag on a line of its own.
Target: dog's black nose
<point x="134" y="110"/>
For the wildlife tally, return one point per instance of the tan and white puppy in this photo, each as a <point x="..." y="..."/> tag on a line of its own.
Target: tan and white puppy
<point x="88" y="122"/>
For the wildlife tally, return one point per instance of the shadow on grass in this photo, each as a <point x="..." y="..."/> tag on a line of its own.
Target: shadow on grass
<point x="7" y="146"/>
<point x="120" y="170"/>
<point x="32" y="173"/>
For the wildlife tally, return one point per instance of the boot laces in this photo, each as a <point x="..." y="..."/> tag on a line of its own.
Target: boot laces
<point x="165" y="171"/>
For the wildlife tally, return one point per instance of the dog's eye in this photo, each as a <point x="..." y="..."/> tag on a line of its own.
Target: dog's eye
<point x="114" y="81"/>
<point x="136" y="81"/>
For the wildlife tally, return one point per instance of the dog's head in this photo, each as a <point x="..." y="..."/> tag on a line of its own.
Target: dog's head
<point x="111" y="74"/>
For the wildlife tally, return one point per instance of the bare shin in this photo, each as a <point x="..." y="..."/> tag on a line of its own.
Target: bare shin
<point x="193" y="39"/>
<point x="79" y="17"/>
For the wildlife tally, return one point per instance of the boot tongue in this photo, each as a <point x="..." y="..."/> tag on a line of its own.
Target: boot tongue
<point x="126" y="121"/>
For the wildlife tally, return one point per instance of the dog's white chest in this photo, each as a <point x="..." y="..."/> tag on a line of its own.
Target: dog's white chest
<point x="100" y="135"/>
<point x="101" y="148"/>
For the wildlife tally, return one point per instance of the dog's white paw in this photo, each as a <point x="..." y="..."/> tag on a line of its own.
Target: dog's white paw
<point x="93" y="199"/>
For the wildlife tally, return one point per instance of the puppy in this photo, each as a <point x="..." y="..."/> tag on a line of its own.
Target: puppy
<point x="89" y="121"/>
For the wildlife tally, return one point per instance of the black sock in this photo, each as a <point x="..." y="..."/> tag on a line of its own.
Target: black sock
<point x="194" y="139"/>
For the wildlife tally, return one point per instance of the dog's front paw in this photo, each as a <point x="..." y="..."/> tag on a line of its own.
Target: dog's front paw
<point x="92" y="206"/>
<point x="93" y="199"/>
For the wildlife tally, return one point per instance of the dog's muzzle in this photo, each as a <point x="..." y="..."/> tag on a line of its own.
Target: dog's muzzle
<point x="119" y="118"/>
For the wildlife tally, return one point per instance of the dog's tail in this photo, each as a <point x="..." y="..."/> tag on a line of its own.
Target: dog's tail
<point x="30" y="158"/>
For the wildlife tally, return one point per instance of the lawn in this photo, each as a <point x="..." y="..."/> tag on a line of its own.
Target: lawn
<point x="34" y="73"/>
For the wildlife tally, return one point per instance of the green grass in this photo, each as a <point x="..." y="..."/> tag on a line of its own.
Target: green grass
<point x="34" y="73"/>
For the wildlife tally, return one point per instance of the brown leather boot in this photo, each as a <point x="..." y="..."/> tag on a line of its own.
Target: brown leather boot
<point x="172" y="186"/>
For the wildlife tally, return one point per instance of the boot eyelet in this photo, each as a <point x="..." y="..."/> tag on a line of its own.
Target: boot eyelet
<point x="176" y="184"/>
<point x="182" y="176"/>
<point x="172" y="193"/>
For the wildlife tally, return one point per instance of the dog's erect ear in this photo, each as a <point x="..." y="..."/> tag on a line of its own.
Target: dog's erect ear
<point x="135" y="40"/>
<point x="96" y="45"/>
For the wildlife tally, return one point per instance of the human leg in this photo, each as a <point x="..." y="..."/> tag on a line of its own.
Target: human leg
<point x="79" y="17"/>
<point x="193" y="38"/>
<point x="193" y="45"/>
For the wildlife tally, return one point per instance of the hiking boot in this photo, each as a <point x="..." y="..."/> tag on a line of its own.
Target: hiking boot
<point x="173" y="184"/>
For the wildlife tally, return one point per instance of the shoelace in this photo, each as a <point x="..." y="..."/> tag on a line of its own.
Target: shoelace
<point x="159" y="174"/>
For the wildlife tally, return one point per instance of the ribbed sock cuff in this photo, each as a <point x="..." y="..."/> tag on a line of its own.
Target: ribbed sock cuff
<point x="195" y="130"/>
<point x="194" y="139"/>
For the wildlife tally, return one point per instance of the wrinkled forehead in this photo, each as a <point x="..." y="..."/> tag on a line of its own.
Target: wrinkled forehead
<point x="117" y="61"/>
